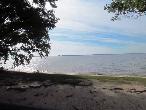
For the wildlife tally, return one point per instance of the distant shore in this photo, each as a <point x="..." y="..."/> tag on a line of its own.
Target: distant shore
<point x="38" y="91"/>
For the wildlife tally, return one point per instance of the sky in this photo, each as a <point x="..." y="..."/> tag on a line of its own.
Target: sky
<point x="86" y="28"/>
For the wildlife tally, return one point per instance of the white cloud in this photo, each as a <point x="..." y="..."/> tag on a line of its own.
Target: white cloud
<point x="90" y="38"/>
<point x="89" y="16"/>
<point x="108" y="40"/>
<point x="72" y="48"/>
<point x="81" y="16"/>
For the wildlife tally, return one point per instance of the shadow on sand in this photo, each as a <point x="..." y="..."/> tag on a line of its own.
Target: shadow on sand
<point x="13" y="77"/>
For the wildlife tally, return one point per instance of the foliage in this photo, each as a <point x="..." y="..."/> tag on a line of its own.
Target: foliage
<point x="24" y="29"/>
<point x="129" y="8"/>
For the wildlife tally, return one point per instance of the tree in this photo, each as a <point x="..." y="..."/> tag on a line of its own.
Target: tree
<point x="129" y="8"/>
<point x="24" y="28"/>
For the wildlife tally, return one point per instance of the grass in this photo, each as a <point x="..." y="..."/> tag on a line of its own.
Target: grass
<point x="119" y="80"/>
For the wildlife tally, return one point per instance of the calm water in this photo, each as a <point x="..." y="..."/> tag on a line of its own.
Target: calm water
<point x="100" y="64"/>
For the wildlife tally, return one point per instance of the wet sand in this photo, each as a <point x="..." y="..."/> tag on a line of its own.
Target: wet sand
<point x="22" y="91"/>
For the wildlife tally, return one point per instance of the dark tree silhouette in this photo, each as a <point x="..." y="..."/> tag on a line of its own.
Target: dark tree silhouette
<point x="24" y="29"/>
<point x="129" y="8"/>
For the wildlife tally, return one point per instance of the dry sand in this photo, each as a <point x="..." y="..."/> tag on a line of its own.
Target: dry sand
<point x="20" y="93"/>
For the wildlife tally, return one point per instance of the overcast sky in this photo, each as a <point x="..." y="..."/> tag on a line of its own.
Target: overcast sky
<point x="85" y="28"/>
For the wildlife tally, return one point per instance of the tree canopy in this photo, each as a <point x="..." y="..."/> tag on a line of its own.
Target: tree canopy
<point x="24" y="29"/>
<point x="129" y="8"/>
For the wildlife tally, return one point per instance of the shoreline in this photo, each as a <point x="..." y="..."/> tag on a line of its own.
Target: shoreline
<point x="79" y="73"/>
<point x="38" y="91"/>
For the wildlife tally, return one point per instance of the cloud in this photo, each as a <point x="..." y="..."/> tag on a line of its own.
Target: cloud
<point x="90" y="16"/>
<point x="72" y="48"/>
<point x="109" y="40"/>
<point x="78" y="36"/>
<point x="85" y="25"/>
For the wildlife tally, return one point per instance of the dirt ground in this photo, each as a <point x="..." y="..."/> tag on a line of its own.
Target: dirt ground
<point x="22" y="94"/>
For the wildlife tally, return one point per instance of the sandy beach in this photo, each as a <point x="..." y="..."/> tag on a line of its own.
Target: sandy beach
<point x="24" y="91"/>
